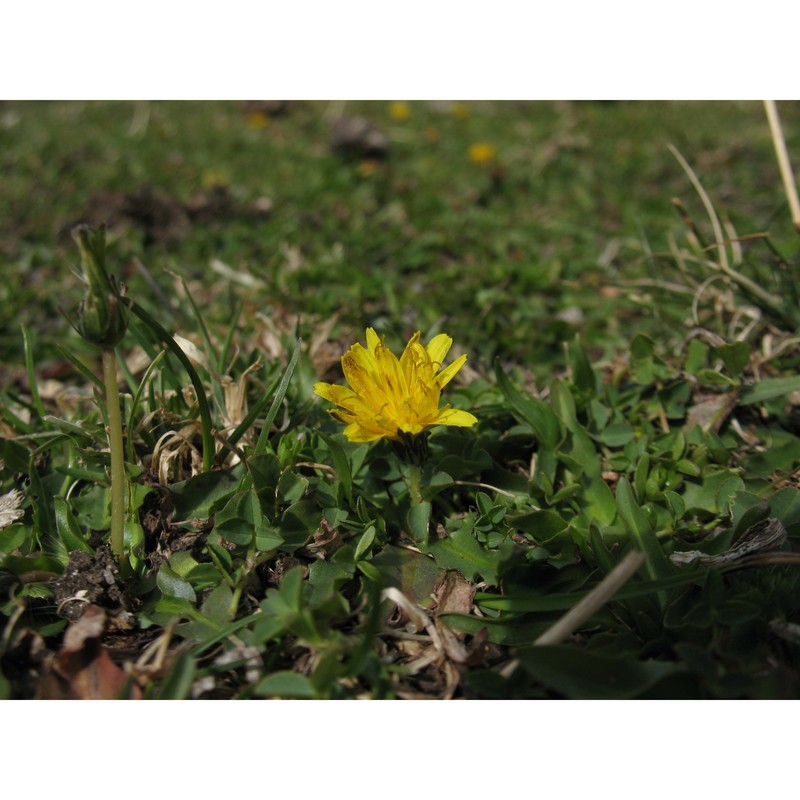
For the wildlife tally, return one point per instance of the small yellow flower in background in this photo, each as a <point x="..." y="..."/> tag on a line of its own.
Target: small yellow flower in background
<point x="393" y="398"/>
<point x="459" y="111"/>
<point x="482" y="153"/>
<point x="432" y="135"/>
<point x="258" y="119"/>
<point x="367" y="167"/>
<point x="399" y="110"/>
<point x="211" y="178"/>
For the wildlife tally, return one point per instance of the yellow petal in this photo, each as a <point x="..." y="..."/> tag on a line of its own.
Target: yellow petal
<point x="413" y="428"/>
<point x="455" y="416"/>
<point x="359" y="367"/>
<point x="392" y="375"/>
<point x="437" y="348"/>
<point x="408" y="356"/>
<point x="332" y="392"/>
<point x="355" y="433"/>
<point x="373" y="340"/>
<point x="446" y="375"/>
<point x="322" y="389"/>
<point x="342" y="416"/>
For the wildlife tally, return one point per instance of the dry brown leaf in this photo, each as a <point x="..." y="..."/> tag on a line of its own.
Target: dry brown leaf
<point x="768" y="534"/>
<point x="455" y="595"/>
<point x="83" y="668"/>
<point x="711" y="412"/>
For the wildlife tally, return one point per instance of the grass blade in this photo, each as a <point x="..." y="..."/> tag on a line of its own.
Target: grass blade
<point x="637" y="525"/>
<point x="29" y="366"/>
<point x="81" y="367"/>
<point x="263" y="438"/>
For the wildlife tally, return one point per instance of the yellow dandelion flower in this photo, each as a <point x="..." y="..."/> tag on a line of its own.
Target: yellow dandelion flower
<point x="393" y="398"/>
<point x="482" y="153"/>
<point x="211" y="178"/>
<point x="258" y="119"/>
<point x="367" y="167"/>
<point x="459" y="111"/>
<point x="399" y="110"/>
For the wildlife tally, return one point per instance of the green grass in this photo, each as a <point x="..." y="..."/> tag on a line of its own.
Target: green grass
<point x="561" y="266"/>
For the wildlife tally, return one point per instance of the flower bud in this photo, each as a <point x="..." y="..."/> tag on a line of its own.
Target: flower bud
<point x="103" y="315"/>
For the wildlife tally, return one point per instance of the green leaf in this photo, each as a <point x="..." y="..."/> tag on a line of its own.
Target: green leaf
<point x="341" y="465"/>
<point x="414" y="574"/>
<point x="617" y="435"/>
<point x="299" y="523"/>
<point x="769" y="389"/>
<point x="582" y="374"/>
<point x="676" y="504"/>
<point x="726" y="495"/>
<point x="69" y="531"/>
<point x="239" y="519"/>
<point x="711" y="377"/>
<point x="42" y="510"/>
<point x="640" y="475"/>
<point x="178" y="684"/>
<point x="365" y="542"/>
<point x="635" y="521"/>
<point x="785" y="505"/>
<point x="596" y="503"/>
<point x="291" y="487"/>
<point x="735" y="356"/>
<point x="538" y="602"/>
<point x="688" y="467"/>
<point x="286" y="684"/>
<point x="326" y="577"/>
<point x="172" y="585"/>
<point x="531" y="410"/>
<point x="543" y="525"/>
<point x="510" y="631"/>
<point x="704" y="496"/>
<point x="265" y="472"/>
<point x="460" y="550"/>
<point x="14" y="455"/>
<point x="217" y="605"/>
<point x="291" y="588"/>
<point x="642" y="346"/>
<point x="133" y="539"/>
<point x="419" y="516"/>
<point x="193" y="498"/>
<point x="268" y="539"/>
<point x="696" y="356"/>
<point x="578" y="446"/>
<point x="644" y="367"/>
<point x="585" y="675"/>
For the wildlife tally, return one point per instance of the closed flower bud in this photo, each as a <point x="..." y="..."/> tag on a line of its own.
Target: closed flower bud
<point x="103" y="315"/>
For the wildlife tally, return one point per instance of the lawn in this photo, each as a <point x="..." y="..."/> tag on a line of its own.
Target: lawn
<point x="620" y="521"/>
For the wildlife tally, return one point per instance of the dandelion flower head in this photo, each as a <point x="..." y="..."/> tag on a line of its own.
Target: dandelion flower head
<point x="391" y="398"/>
<point x="399" y="111"/>
<point x="482" y="153"/>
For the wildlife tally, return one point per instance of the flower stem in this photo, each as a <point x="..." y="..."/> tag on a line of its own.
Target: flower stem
<point x="415" y="488"/>
<point x="116" y="447"/>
